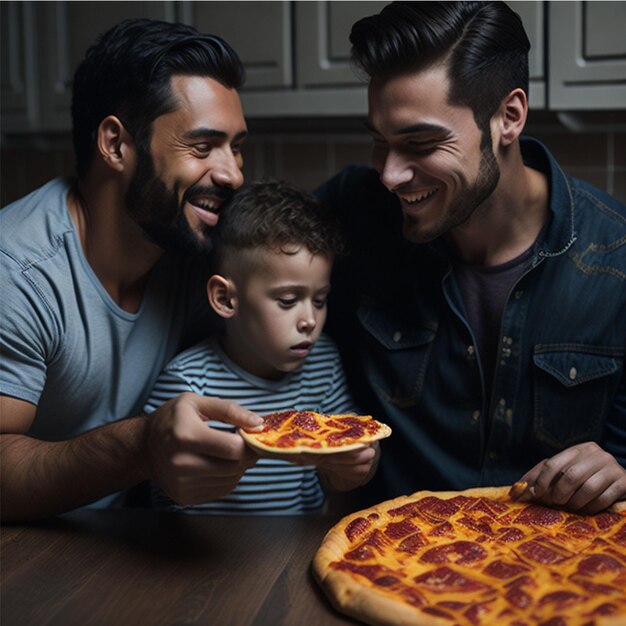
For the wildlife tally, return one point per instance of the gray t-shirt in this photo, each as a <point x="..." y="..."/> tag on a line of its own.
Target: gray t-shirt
<point x="66" y="346"/>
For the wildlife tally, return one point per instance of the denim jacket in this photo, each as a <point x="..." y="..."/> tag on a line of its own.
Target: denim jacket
<point x="398" y="317"/>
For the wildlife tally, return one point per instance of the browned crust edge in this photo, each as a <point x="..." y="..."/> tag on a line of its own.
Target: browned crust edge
<point x="368" y="604"/>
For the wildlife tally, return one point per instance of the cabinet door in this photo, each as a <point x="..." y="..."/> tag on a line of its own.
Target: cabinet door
<point x="322" y="31"/>
<point x="532" y="14"/>
<point x="323" y="49"/>
<point x="18" y="86"/>
<point x="260" y="32"/>
<point x="587" y="55"/>
<point x="67" y="29"/>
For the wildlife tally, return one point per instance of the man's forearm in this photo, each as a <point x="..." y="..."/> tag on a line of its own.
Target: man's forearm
<point x="43" y="478"/>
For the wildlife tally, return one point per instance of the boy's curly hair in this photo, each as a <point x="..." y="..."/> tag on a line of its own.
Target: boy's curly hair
<point x="276" y="215"/>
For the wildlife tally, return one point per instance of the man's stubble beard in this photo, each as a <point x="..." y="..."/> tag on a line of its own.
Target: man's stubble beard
<point x="159" y="213"/>
<point x="467" y="200"/>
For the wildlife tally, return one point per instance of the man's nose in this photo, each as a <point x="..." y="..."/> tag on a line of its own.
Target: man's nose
<point x="396" y="171"/>
<point x="227" y="170"/>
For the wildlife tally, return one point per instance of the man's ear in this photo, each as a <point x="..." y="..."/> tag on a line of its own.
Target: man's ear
<point x="222" y="295"/>
<point x="511" y="117"/>
<point x="114" y="143"/>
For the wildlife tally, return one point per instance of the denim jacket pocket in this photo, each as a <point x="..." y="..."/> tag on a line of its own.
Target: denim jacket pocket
<point x="574" y="385"/>
<point x="395" y="354"/>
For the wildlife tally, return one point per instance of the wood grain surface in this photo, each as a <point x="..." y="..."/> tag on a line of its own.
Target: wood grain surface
<point x="142" y="568"/>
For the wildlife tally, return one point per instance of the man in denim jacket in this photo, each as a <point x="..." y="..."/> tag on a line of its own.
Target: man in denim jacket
<point x="482" y="311"/>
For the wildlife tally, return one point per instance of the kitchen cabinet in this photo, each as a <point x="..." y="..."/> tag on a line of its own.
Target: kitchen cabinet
<point x="260" y="32"/>
<point x="67" y="30"/>
<point x="296" y="54"/>
<point x="587" y="55"/>
<point x="18" y="89"/>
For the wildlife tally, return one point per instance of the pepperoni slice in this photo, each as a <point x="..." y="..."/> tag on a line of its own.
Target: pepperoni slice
<point x="481" y="525"/>
<point x="386" y="581"/>
<point x="464" y="551"/>
<point x="275" y="420"/>
<point x="535" y="515"/>
<point x="337" y="438"/>
<point x="442" y="509"/>
<point x="287" y="440"/>
<point x="443" y="530"/>
<point x="607" y="519"/>
<point x="561" y="599"/>
<point x="509" y="534"/>
<point x="370" y="572"/>
<point x="306" y="421"/>
<point x="350" y="422"/>
<point x="362" y="553"/>
<point x="397" y="530"/>
<point x="554" y="621"/>
<point x="539" y="553"/>
<point x="412" y="543"/>
<point x="446" y="580"/>
<point x="356" y="527"/>
<point x="597" y="563"/>
<point x="503" y="570"/>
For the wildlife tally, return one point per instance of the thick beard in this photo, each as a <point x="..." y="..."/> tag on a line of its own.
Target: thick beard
<point x="157" y="211"/>
<point x="467" y="200"/>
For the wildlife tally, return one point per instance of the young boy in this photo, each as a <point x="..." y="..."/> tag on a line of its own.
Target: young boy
<point x="273" y="255"/>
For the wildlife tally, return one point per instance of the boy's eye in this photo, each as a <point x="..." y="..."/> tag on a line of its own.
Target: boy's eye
<point x="286" y="302"/>
<point x="320" y="303"/>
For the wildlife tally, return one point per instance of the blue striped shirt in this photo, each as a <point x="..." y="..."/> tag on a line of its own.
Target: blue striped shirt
<point x="271" y="487"/>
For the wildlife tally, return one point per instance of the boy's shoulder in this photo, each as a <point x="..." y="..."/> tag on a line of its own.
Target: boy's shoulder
<point x="201" y="355"/>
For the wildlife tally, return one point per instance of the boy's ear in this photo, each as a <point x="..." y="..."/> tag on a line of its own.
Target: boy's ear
<point x="115" y="143"/>
<point x="511" y="117"/>
<point x="222" y="295"/>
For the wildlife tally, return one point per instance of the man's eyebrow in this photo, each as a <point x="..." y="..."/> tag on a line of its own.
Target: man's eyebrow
<point x="199" y="133"/>
<point x="420" y="127"/>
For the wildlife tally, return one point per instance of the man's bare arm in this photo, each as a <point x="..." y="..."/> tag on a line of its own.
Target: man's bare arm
<point x="173" y="446"/>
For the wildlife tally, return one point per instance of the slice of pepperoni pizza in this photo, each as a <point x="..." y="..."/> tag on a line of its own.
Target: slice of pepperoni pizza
<point x="476" y="558"/>
<point x="297" y="432"/>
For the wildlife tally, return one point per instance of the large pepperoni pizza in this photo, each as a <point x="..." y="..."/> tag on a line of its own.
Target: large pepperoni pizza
<point x="476" y="558"/>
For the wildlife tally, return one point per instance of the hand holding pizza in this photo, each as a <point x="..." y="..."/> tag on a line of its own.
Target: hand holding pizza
<point x="191" y="462"/>
<point x="348" y="470"/>
<point x="584" y="478"/>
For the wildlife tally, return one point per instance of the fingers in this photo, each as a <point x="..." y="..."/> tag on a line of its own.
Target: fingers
<point x="583" y="478"/>
<point x="227" y="412"/>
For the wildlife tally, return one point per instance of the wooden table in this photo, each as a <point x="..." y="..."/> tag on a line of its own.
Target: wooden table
<point x="142" y="568"/>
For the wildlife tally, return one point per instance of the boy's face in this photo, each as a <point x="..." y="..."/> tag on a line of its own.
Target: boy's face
<point x="280" y="312"/>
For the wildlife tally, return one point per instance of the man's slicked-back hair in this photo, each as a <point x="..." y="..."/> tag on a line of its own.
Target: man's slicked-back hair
<point x="127" y="72"/>
<point x="275" y="215"/>
<point x="483" y="45"/>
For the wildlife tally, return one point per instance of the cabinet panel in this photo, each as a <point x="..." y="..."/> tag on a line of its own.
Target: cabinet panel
<point x="260" y="32"/>
<point x="587" y="55"/>
<point x="323" y="28"/>
<point x="532" y="14"/>
<point x="18" y="87"/>
<point x="323" y="48"/>
<point x="67" y="29"/>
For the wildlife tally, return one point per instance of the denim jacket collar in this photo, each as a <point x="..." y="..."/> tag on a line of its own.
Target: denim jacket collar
<point x="560" y="233"/>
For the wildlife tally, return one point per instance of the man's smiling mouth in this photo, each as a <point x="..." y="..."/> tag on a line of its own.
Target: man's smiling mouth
<point x="417" y="197"/>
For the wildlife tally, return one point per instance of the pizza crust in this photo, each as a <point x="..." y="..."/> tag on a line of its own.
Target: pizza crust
<point x="373" y="607"/>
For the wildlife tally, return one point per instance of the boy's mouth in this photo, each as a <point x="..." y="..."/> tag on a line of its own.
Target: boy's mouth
<point x="302" y="348"/>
